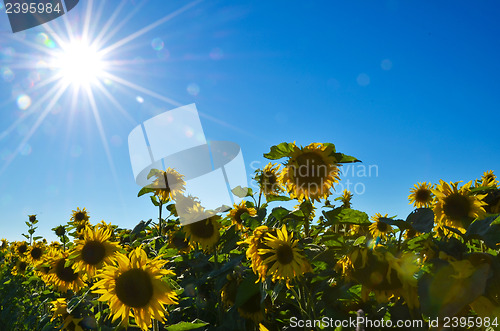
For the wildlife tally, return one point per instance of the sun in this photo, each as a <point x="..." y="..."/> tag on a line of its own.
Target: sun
<point x="79" y="63"/>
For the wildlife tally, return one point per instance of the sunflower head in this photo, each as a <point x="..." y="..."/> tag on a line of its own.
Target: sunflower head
<point x="311" y="172"/>
<point x="270" y="179"/>
<point x="253" y="308"/>
<point x="21" y="248"/>
<point x="63" y="277"/>
<point x="167" y="184"/>
<point x="456" y="207"/>
<point x="257" y="241"/>
<point x="204" y="232"/>
<point x="21" y="267"/>
<point x="79" y="215"/>
<point x="345" y="198"/>
<point x="489" y="179"/>
<point x="60" y="311"/>
<point x="4" y="244"/>
<point x="94" y="251"/>
<point x="283" y="259"/>
<point x="379" y="228"/>
<point x="237" y="211"/>
<point x="421" y="195"/>
<point x="177" y="239"/>
<point x="59" y="230"/>
<point x="32" y="219"/>
<point x="135" y="287"/>
<point x="36" y="253"/>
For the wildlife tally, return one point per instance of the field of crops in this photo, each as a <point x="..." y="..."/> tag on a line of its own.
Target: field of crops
<point x="261" y="266"/>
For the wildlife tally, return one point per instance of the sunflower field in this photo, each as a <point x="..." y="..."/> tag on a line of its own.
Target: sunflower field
<point x="288" y="257"/>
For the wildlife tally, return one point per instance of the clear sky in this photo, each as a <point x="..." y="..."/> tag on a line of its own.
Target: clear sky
<point x="409" y="87"/>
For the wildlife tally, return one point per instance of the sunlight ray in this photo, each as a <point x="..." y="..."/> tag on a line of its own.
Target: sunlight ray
<point x="115" y="102"/>
<point x="32" y="131"/>
<point x="148" y="28"/>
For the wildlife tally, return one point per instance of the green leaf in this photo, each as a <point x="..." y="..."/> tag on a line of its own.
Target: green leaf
<point x="183" y="326"/>
<point x="145" y="190"/>
<point x="280" y="151"/>
<point x="361" y="240"/>
<point x="154" y="200"/>
<point x="37" y="238"/>
<point x="422" y="220"/>
<point x="350" y="216"/>
<point x="486" y="231"/>
<point x="279" y="213"/>
<point x="402" y="225"/>
<point x="246" y="290"/>
<point x="271" y="198"/>
<point x="242" y="192"/>
<point x="342" y="158"/>
<point x="155" y="173"/>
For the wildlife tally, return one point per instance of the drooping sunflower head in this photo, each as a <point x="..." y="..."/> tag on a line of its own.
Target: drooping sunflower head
<point x="270" y="179"/>
<point x="36" y="253"/>
<point x="379" y="228"/>
<point x="135" y="287"/>
<point x="253" y="308"/>
<point x="411" y="233"/>
<point x="421" y="195"/>
<point x="237" y="211"/>
<point x="282" y="256"/>
<point x="177" y="239"/>
<point x="94" y="251"/>
<point x="456" y="207"/>
<point x="311" y="172"/>
<point x="167" y="184"/>
<point x="63" y="277"/>
<point x="489" y="179"/>
<point x="204" y="232"/>
<point x="257" y="241"/>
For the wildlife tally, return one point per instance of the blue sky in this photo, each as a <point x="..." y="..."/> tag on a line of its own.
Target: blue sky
<point x="410" y="88"/>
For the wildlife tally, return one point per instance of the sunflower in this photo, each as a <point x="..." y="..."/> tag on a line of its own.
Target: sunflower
<point x="489" y="179"/>
<point x="252" y="308"/>
<point x="421" y="195"/>
<point x="20" y="248"/>
<point x="79" y="216"/>
<point x="135" y="284"/>
<point x="269" y="179"/>
<point x="345" y="198"/>
<point x="62" y="277"/>
<point x="60" y="310"/>
<point x="456" y="207"/>
<point x="283" y="258"/>
<point x="177" y="239"/>
<point x="256" y="242"/>
<point x="20" y="268"/>
<point x="310" y="172"/>
<point x="237" y="211"/>
<point x="204" y="232"/>
<point x="167" y="184"/>
<point x="94" y="251"/>
<point x="4" y="245"/>
<point x="411" y="233"/>
<point x="379" y="228"/>
<point x="36" y="253"/>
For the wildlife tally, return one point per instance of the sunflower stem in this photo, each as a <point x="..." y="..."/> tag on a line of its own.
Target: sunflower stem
<point x="159" y="218"/>
<point x="399" y="240"/>
<point x="260" y="196"/>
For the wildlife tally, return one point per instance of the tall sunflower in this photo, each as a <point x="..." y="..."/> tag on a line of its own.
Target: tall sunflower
<point x="237" y="211"/>
<point x="311" y="172"/>
<point x="94" y="251"/>
<point x="21" y="267"/>
<point x="421" y="195"/>
<point x="269" y="179"/>
<point x="167" y="184"/>
<point x="62" y="277"/>
<point x="204" y="232"/>
<point x="283" y="258"/>
<point x="134" y="288"/>
<point x="379" y="228"/>
<point x="345" y="198"/>
<point x="456" y="207"/>
<point x="20" y="248"/>
<point x="79" y="215"/>
<point x="489" y="179"/>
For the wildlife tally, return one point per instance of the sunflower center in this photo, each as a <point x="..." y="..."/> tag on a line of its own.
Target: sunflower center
<point x="252" y="305"/>
<point x="22" y="266"/>
<point x="93" y="252"/>
<point x="36" y="253"/>
<point x="312" y="169"/>
<point x="180" y="242"/>
<point x="457" y="206"/>
<point x="202" y="229"/>
<point x="65" y="274"/>
<point x="79" y="216"/>
<point x="284" y="254"/>
<point x="22" y="248"/>
<point x="423" y="195"/>
<point x="382" y="227"/>
<point x="134" y="288"/>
